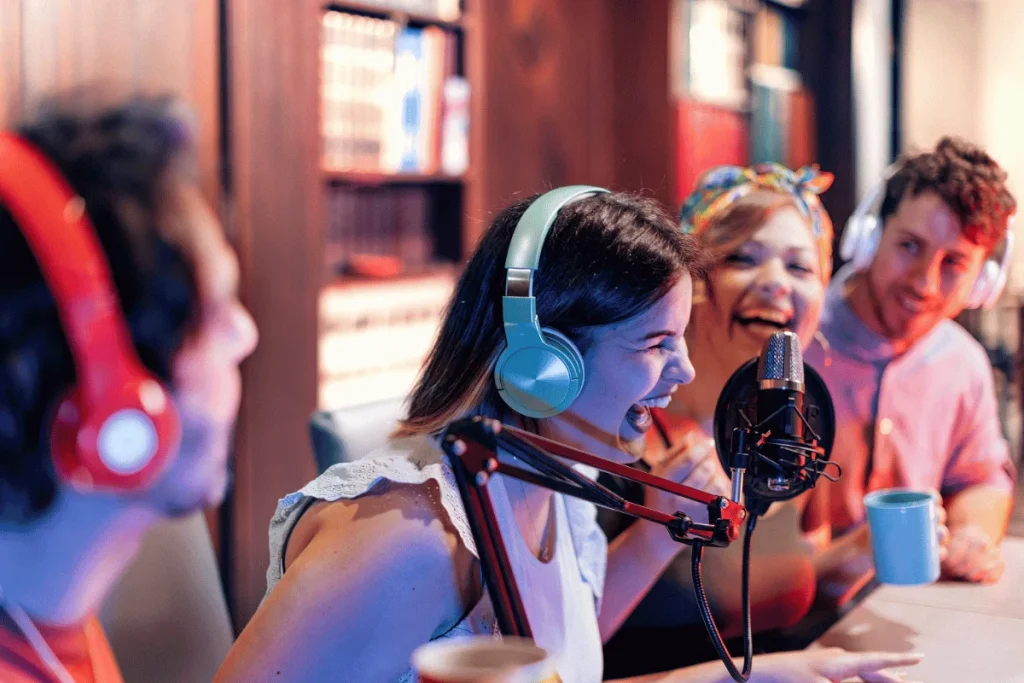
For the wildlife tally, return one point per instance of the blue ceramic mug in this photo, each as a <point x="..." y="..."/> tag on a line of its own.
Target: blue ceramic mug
<point x="904" y="536"/>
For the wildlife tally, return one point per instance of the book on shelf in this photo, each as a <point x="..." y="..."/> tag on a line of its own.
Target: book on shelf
<point x="801" y="147"/>
<point x="776" y="37"/>
<point x="455" y="127"/>
<point x="782" y="124"/>
<point x="377" y="225"/>
<point x="384" y="89"/>
<point x="375" y="336"/>
<point x="443" y="10"/>
<point x="357" y="60"/>
<point x="708" y="52"/>
<point x="708" y="136"/>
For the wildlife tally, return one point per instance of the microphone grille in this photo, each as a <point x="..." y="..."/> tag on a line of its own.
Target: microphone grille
<point x="781" y="364"/>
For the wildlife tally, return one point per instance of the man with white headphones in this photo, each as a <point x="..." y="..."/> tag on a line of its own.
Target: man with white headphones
<point x="913" y="391"/>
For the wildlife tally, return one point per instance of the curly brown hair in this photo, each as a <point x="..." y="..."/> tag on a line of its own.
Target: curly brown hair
<point x="970" y="181"/>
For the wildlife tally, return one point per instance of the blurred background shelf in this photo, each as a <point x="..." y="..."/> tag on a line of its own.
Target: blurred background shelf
<point x="446" y="13"/>
<point x="377" y="179"/>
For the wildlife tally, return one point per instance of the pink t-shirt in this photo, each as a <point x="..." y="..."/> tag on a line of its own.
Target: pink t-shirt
<point x="83" y="650"/>
<point x="925" y="419"/>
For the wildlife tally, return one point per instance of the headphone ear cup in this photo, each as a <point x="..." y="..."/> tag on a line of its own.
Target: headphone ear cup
<point x="852" y="236"/>
<point x="984" y="285"/>
<point x="867" y="243"/>
<point x="121" y="444"/>
<point x="540" y="381"/>
<point x="572" y="356"/>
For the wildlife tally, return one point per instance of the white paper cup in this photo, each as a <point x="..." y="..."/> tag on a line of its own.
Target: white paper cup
<point x="483" y="659"/>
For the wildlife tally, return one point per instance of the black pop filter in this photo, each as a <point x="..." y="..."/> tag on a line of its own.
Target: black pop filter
<point x="781" y="468"/>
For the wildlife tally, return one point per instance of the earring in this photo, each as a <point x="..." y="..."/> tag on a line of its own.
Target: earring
<point x="825" y="346"/>
<point x="700" y="292"/>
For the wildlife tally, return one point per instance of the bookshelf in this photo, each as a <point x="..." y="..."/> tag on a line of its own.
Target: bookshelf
<point x="739" y="93"/>
<point x="372" y="179"/>
<point x="394" y="108"/>
<point x="447" y="14"/>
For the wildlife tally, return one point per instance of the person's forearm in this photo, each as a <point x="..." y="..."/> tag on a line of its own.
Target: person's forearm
<point x="984" y="506"/>
<point x="844" y="567"/>
<point x="636" y="558"/>
<point x="853" y="547"/>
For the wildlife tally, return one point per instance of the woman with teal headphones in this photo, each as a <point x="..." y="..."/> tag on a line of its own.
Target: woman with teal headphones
<point x="576" y="341"/>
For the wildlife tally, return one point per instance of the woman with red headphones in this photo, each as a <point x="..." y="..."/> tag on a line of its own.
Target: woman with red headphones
<point x="121" y="333"/>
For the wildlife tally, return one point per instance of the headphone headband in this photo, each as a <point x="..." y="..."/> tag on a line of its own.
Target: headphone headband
<point x="539" y="373"/>
<point x="53" y="221"/>
<point x="536" y="221"/>
<point x="117" y="427"/>
<point x="872" y="201"/>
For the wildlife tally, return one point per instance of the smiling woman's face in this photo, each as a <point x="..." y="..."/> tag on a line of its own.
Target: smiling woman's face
<point x="630" y="367"/>
<point x="770" y="282"/>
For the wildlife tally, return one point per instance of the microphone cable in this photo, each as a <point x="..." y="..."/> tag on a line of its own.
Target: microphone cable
<point x="708" y="619"/>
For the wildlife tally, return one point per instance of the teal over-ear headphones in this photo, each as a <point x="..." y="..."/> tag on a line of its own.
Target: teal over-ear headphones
<point x="540" y="371"/>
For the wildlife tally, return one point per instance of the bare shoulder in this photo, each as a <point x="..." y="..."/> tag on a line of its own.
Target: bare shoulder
<point x="386" y="568"/>
<point x="403" y="522"/>
<point x="400" y="525"/>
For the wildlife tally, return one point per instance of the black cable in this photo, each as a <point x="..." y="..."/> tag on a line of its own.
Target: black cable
<point x="709" y="620"/>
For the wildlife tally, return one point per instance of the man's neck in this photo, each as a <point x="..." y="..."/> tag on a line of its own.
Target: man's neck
<point x="62" y="567"/>
<point x="867" y="308"/>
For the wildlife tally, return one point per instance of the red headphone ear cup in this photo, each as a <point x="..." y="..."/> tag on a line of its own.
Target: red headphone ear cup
<point x="63" y="442"/>
<point x="122" y="444"/>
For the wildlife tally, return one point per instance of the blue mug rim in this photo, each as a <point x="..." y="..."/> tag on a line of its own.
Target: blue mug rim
<point x="872" y="500"/>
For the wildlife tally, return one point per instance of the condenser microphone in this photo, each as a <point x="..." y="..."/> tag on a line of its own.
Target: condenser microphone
<point x="780" y="387"/>
<point x="774" y="426"/>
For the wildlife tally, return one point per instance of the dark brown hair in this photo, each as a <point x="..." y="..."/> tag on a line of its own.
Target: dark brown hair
<point x="607" y="258"/>
<point x="969" y="181"/>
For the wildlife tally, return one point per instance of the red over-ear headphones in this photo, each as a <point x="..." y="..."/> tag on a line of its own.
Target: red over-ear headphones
<point x="117" y="428"/>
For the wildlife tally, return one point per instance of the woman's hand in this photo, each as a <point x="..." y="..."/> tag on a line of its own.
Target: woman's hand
<point x="830" y="666"/>
<point x="693" y="462"/>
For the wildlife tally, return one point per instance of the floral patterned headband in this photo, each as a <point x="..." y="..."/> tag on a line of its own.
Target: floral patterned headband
<point x="724" y="185"/>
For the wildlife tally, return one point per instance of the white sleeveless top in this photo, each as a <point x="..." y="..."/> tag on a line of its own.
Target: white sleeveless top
<point x="561" y="597"/>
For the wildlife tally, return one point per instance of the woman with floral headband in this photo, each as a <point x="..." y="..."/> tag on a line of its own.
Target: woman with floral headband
<point x="770" y="241"/>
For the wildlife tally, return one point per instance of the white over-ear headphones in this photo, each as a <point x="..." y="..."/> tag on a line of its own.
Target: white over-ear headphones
<point x="864" y="232"/>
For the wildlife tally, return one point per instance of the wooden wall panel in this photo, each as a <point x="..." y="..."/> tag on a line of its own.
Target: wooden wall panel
<point x="10" y="60"/>
<point x="645" y="128"/>
<point x="542" y="92"/>
<point x="278" y="221"/>
<point x="39" y="50"/>
<point x="48" y="46"/>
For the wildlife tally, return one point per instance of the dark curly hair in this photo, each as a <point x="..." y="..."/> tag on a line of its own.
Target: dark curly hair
<point x="970" y="181"/>
<point x="121" y="159"/>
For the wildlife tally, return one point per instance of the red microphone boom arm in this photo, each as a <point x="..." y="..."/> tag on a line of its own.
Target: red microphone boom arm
<point x="472" y="444"/>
